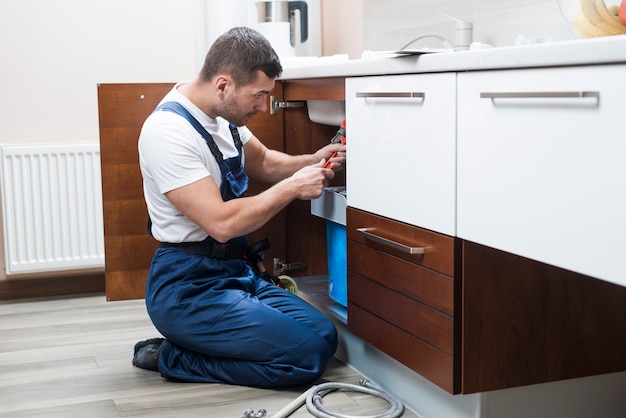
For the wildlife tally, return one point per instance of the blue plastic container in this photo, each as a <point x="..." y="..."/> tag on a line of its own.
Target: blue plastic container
<point x="336" y="243"/>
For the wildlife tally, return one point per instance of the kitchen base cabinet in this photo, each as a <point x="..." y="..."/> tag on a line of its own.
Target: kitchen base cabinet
<point x="541" y="174"/>
<point x="523" y="172"/>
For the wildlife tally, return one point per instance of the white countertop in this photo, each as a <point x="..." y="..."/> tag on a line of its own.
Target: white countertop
<point x="604" y="50"/>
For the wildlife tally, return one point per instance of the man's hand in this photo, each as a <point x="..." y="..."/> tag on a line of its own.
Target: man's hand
<point x="338" y="161"/>
<point x="311" y="180"/>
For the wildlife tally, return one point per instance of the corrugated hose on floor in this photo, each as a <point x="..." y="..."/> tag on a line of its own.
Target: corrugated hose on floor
<point x="313" y="398"/>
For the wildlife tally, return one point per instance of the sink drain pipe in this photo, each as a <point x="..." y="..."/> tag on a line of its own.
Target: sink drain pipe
<point x="313" y="398"/>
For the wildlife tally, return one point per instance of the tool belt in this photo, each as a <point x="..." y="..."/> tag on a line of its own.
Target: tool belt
<point x="209" y="248"/>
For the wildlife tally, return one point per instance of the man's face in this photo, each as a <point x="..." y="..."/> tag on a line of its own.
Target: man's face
<point x="243" y="102"/>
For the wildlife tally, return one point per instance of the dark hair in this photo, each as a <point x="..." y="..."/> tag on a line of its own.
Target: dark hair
<point x="241" y="52"/>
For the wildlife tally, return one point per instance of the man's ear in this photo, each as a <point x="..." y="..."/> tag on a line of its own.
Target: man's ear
<point x="222" y="83"/>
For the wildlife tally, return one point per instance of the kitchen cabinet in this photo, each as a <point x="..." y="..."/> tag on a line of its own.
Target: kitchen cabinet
<point x="294" y="234"/>
<point x="541" y="174"/>
<point x="402" y="254"/>
<point x="536" y="168"/>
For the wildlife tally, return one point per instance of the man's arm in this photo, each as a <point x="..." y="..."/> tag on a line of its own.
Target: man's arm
<point x="202" y="202"/>
<point x="272" y="166"/>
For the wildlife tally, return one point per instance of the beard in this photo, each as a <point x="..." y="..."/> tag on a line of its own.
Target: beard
<point x="231" y="111"/>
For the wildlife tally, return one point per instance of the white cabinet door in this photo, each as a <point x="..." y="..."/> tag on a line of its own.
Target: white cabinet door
<point x="542" y="174"/>
<point x="401" y="148"/>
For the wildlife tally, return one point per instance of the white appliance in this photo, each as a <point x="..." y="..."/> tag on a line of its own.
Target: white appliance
<point x="293" y="27"/>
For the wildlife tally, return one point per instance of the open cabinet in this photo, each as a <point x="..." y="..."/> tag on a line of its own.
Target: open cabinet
<point x="295" y="235"/>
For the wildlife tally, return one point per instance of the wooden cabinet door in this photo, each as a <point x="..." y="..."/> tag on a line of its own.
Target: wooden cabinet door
<point x="128" y="248"/>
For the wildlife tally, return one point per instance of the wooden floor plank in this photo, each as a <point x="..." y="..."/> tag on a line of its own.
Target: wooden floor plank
<point x="72" y="358"/>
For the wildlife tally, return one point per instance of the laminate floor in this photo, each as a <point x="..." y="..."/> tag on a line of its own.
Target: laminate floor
<point x="72" y="358"/>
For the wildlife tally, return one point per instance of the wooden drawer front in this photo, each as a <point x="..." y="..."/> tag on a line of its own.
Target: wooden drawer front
<point x="417" y="319"/>
<point x="428" y="361"/>
<point x="439" y="249"/>
<point x="425" y="286"/>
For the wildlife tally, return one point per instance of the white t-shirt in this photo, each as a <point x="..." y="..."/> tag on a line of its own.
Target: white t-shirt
<point x="173" y="154"/>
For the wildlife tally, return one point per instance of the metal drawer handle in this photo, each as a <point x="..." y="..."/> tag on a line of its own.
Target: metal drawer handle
<point x="392" y="95"/>
<point x="540" y="95"/>
<point x="393" y="244"/>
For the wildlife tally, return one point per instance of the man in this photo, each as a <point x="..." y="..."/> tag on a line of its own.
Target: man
<point x="221" y="322"/>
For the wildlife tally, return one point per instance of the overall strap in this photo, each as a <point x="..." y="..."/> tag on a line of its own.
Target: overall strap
<point x="180" y="110"/>
<point x="235" y="133"/>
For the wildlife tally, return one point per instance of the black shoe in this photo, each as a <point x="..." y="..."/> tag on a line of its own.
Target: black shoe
<point x="146" y="355"/>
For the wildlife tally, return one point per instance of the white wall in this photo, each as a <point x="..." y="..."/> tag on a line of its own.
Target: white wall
<point x="54" y="54"/>
<point x="342" y="27"/>
<point x="221" y="15"/>
<point x="390" y="24"/>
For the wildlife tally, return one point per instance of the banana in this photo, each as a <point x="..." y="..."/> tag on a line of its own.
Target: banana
<point x="583" y="16"/>
<point x="588" y="21"/>
<point x="594" y="17"/>
<point x="612" y="23"/>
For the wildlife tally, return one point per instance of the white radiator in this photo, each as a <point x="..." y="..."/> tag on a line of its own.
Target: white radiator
<point x="52" y="207"/>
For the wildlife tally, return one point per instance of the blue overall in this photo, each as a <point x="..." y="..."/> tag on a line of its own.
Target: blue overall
<point x="224" y="324"/>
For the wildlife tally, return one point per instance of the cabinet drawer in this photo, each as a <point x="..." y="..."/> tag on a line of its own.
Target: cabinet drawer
<point x="423" y="285"/>
<point x="401" y="141"/>
<point x="419" y="320"/>
<point x="428" y="361"/>
<point x="396" y="238"/>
